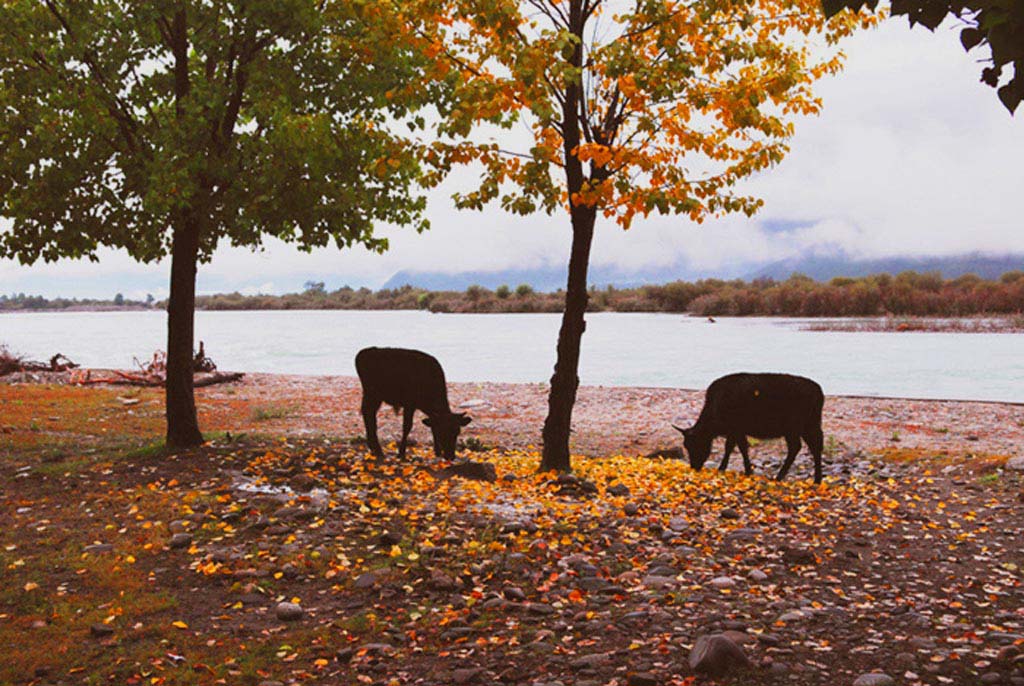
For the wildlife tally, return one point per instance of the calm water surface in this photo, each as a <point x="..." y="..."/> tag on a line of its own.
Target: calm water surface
<point x="620" y="349"/>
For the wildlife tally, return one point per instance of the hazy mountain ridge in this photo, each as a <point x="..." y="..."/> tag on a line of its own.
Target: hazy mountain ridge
<point x="825" y="267"/>
<point x="820" y="267"/>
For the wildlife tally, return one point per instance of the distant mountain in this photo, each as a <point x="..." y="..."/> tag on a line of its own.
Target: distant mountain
<point x="823" y="267"/>
<point x="548" y="278"/>
<point x="818" y="266"/>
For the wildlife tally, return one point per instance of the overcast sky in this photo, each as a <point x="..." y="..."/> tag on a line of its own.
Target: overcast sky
<point x="911" y="155"/>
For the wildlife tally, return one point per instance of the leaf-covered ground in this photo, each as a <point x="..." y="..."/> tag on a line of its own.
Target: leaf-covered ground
<point x="125" y="565"/>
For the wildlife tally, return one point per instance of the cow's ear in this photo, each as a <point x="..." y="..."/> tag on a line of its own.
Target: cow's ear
<point x="464" y="419"/>
<point x="426" y="421"/>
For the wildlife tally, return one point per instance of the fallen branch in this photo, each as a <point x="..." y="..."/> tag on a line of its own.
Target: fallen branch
<point x="11" y="363"/>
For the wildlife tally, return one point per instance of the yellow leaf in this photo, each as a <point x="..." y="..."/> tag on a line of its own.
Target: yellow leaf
<point x="395" y="551"/>
<point x="179" y="624"/>
<point x="31" y="586"/>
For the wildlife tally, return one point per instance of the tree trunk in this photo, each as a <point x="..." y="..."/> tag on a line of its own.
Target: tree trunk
<point x="565" y="380"/>
<point x="182" y="424"/>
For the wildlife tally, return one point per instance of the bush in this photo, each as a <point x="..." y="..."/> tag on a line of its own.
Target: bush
<point x="524" y="289"/>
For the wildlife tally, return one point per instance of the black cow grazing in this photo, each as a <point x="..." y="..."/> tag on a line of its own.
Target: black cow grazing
<point x="762" y="406"/>
<point x="409" y="380"/>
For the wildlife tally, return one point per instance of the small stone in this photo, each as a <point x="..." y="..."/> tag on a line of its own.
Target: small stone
<point x="181" y="540"/>
<point x="729" y="513"/>
<point x="513" y="593"/>
<point x="717" y="655"/>
<point x="101" y="630"/>
<point x="757" y="575"/>
<point x="288" y="612"/>
<point x="98" y="548"/>
<point x="618" y="489"/>
<point x="798" y="556"/>
<point x="1015" y="464"/>
<point x="874" y="679"/>
<point x="655" y="581"/>
<point x="475" y="471"/>
<point x="440" y="581"/>
<point x="723" y="582"/>
<point x="792" y="616"/>
<point x="364" y="581"/>
<point x="464" y="676"/>
<point x="1007" y="653"/>
<point x="271" y="683"/>
<point x="389" y="538"/>
<point x="590" y="661"/>
<point x="177" y="526"/>
<point x="642" y="679"/>
<point x="992" y="678"/>
<point x="630" y="509"/>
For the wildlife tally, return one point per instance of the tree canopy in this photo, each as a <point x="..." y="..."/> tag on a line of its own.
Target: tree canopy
<point x="630" y="108"/>
<point x="167" y="127"/>
<point x="997" y="24"/>
<point x="269" y="115"/>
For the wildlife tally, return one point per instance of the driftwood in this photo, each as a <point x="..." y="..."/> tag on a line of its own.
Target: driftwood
<point x="120" y="378"/>
<point x="154" y="373"/>
<point x="11" y="363"/>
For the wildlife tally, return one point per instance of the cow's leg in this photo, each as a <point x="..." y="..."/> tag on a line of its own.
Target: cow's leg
<point x="730" y="443"/>
<point x="816" y="442"/>
<point x="370" y="407"/>
<point x="793" y="447"/>
<point x="406" y="428"/>
<point x="745" y="452"/>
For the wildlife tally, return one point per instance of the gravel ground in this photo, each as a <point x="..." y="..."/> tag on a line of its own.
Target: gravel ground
<point x="629" y="420"/>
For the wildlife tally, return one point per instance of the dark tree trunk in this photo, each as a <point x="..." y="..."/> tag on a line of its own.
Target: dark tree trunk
<point x="565" y="380"/>
<point x="182" y="425"/>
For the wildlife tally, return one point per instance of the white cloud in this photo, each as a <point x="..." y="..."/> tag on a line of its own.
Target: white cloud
<point x="911" y="155"/>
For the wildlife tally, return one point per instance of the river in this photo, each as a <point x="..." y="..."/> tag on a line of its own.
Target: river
<point x="620" y="349"/>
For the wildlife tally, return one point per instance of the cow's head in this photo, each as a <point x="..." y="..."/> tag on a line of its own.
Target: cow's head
<point x="446" y="429"/>
<point x="698" y="447"/>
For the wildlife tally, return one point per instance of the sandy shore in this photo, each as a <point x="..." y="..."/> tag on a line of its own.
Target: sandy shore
<point x="633" y="420"/>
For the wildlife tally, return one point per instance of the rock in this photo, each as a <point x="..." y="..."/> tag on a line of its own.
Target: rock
<point x="390" y="538"/>
<point x="992" y="678"/>
<point x="655" y="581"/>
<point x="630" y="509"/>
<point x="440" y="581"/>
<point x="617" y="489"/>
<point x="366" y="580"/>
<point x="289" y="612"/>
<point x="1015" y="464"/>
<point x="271" y="683"/>
<point x="723" y="582"/>
<point x="513" y="593"/>
<point x="1007" y="653"/>
<point x="466" y="675"/>
<point x="476" y="471"/>
<point x="642" y="679"/>
<point x="181" y="540"/>
<point x="716" y="655"/>
<point x="798" y="556"/>
<point x="667" y="454"/>
<point x="740" y="638"/>
<point x="177" y="526"/>
<point x="591" y="661"/>
<point x="793" y="616"/>
<point x="757" y="575"/>
<point x="101" y="630"/>
<point x="874" y="679"/>
<point x="98" y="548"/>
<point x="729" y="513"/>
